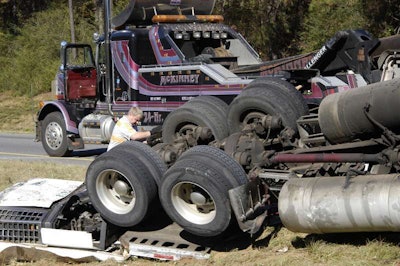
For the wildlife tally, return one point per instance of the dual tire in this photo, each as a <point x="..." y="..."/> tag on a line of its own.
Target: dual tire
<point x="194" y="191"/>
<point x="122" y="183"/>
<point x="266" y="96"/>
<point x="263" y="96"/>
<point x="203" y="111"/>
<point x="123" y="188"/>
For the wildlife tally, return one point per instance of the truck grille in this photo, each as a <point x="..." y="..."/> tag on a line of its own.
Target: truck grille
<point x="21" y="225"/>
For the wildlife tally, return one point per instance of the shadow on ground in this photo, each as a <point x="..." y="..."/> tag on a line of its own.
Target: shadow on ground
<point x="88" y="153"/>
<point x="355" y="239"/>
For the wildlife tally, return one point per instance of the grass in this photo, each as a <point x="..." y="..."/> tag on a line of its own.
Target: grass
<point x="17" y="113"/>
<point x="280" y="247"/>
<point x="19" y="171"/>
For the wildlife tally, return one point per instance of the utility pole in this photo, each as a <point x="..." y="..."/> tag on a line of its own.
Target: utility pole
<point x="71" y="21"/>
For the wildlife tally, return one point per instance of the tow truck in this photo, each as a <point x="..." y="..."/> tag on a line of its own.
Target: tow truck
<point x="158" y="55"/>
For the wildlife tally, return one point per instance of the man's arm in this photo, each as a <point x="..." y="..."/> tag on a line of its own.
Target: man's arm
<point x="140" y="135"/>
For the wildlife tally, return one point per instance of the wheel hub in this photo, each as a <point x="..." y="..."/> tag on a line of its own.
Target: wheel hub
<point x="193" y="203"/>
<point x="54" y="135"/>
<point x="198" y="198"/>
<point x="115" y="192"/>
<point x="121" y="188"/>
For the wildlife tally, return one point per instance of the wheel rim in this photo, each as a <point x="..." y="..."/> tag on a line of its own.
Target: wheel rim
<point x="54" y="135"/>
<point x="115" y="191"/>
<point x="193" y="203"/>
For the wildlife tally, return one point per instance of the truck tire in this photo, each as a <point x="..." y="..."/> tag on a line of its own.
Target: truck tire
<point x="54" y="135"/>
<point x="120" y="189"/>
<point x="294" y="96"/>
<point x="194" y="194"/>
<point x="214" y="156"/>
<point x="260" y="101"/>
<point x="193" y="114"/>
<point x="145" y="155"/>
<point x="213" y="102"/>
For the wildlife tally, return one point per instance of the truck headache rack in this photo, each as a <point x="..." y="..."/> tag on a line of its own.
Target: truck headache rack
<point x="142" y="11"/>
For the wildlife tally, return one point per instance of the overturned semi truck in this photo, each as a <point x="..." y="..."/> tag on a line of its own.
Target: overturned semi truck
<point x="242" y="149"/>
<point x="265" y="156"/>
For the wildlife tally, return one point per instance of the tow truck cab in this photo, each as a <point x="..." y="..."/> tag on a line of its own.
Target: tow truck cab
<point x="157" y="65"/>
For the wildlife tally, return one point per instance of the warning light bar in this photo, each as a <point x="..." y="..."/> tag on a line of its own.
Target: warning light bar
<point x="184" y="18"/>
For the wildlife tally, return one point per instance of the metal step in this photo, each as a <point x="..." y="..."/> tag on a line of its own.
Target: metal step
<point x="162" y="244"/>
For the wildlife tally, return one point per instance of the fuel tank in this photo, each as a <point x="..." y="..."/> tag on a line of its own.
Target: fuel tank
<point x="329" y="205"/>
<point x="96" y="128"/>
<point x="342" y="115"/>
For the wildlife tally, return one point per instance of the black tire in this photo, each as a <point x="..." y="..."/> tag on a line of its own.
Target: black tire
<point x="54" y="135"/>
<point x="260" y="100"/>
<point x="193" y="114"/>
<point x="213" y="156"/>
<point x="214" y="103"/>
<point x="293" y="95"/>
<point x="144" y="154"/>
<point x="120" y="189"/>
<point x="210" y="104"/>
<point x="276" y="92"/>
<point x="195" y="179"/>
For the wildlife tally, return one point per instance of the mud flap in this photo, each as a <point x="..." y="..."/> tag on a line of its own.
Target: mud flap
<point x="249" y="215"/>
<point x="75" y="143"/>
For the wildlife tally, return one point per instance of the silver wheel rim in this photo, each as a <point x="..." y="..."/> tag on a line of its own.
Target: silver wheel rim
<point x="115" y="191"/>
<point x="54" y="135"/>
<point x="193" y="203"/>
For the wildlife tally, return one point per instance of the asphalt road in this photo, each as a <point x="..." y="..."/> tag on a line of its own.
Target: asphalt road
<point x="23" y="147"/>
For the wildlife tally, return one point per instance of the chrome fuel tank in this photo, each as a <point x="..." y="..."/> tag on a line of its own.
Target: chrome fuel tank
<point x="329" y="205"/>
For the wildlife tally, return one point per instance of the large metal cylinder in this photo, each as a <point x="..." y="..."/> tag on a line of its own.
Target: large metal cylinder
<point x="326" y="205"/>
<point x="341" y="115"/>
<point x="96" y="128"/>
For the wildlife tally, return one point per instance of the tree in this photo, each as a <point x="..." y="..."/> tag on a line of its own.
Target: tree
<point x="71" y="20"/>
<point x="33" y="55"/>
<point x="15" y="12"/>
<point x="383" y="18"/>
<point x="272" y="27"/>
<point x="326" y="17"/>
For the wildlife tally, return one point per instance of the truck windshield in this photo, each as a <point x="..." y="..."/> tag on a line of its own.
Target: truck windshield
<point x="78" y="57"/>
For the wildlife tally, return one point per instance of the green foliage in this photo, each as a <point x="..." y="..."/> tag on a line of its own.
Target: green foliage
<point x="30" y="31"/>
<point x="270" y="26"/>
<point x="119" y="5"/>
<point x="33" y="55"/>
<point x="326" y="17"/>
<point x="14" y="13"/>
<point x="383" y="16"/>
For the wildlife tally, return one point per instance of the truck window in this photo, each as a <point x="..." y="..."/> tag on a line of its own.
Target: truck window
<point x="144" y="51"/>
<point x="78" y="57"/>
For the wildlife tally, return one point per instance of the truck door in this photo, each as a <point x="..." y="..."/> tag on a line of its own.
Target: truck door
<point x="79" y="71"/>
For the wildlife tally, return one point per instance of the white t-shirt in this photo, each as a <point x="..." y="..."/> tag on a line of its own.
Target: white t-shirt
<point x="123" y="130"/>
